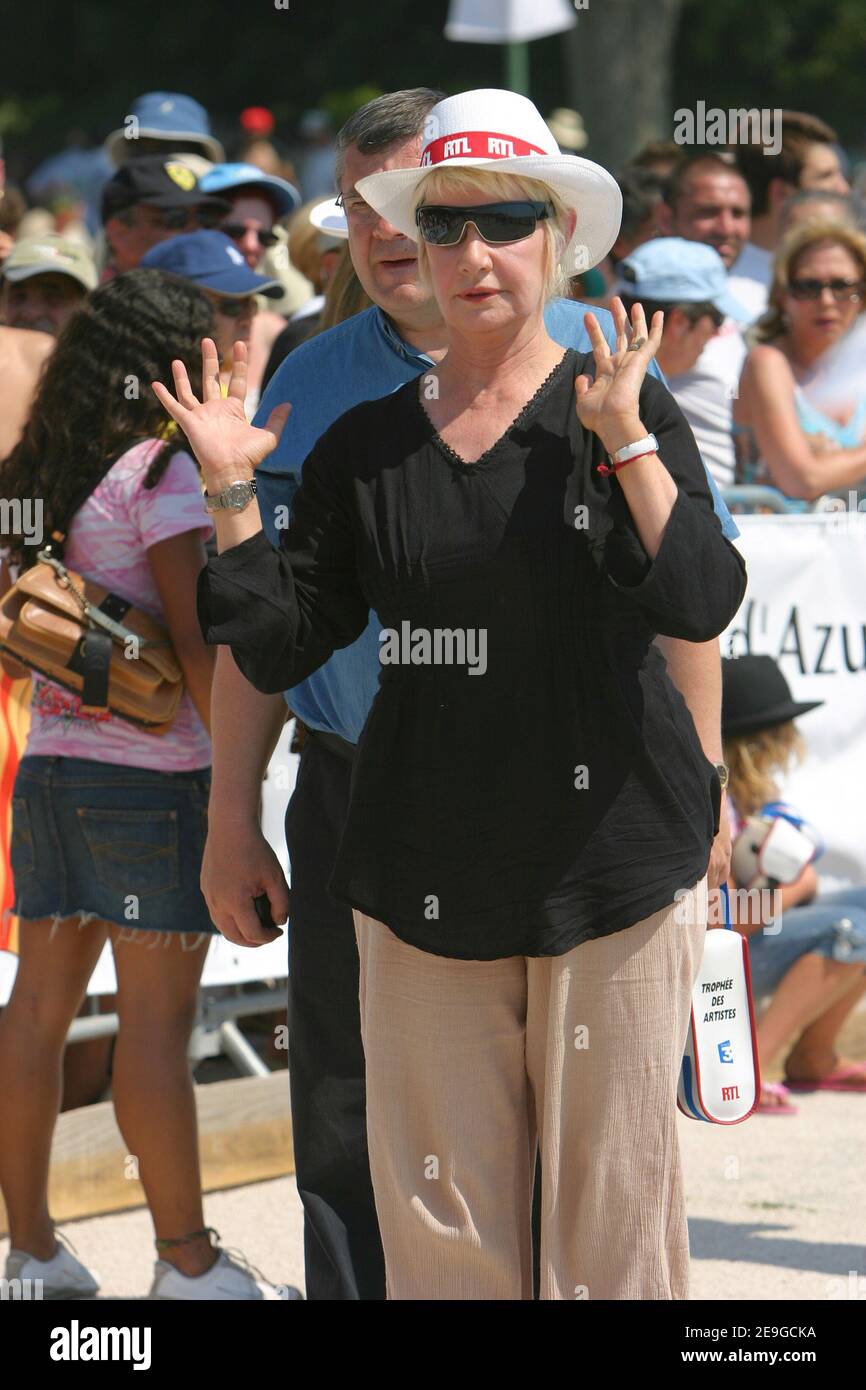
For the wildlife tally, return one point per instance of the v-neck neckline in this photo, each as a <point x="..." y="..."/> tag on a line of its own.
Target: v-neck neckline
<point x="519" y="420"/>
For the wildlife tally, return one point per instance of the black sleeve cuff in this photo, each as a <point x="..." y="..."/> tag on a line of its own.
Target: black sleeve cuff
<point x="695" y="584"/>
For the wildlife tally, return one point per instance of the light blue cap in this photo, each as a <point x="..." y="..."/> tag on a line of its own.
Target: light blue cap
<point x="672" y="270"/>
<point x="224" y="177"/>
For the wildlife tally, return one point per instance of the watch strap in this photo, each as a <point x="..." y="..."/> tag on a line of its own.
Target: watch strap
<point x="629" y="452"/>
<point x="218" y="501"/>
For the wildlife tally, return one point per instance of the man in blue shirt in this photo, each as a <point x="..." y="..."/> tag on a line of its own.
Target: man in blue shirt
<point x="365" y="357"/>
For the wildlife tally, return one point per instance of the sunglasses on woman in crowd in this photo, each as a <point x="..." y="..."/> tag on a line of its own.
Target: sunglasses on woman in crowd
<point x="237" y="231"/>
<point x="841" y="289"/>
<point x="497" y="223"/>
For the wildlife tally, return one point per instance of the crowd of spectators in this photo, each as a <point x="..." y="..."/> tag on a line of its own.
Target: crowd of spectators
<point x="758" y="261"/>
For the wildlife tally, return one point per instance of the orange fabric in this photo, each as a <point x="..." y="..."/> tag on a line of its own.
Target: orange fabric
<point x="15" y="698"/>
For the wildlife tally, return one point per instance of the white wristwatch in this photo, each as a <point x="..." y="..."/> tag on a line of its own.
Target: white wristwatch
<point x="648" y="445"/>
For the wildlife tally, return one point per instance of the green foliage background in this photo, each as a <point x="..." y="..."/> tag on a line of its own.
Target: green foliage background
<point x="80" y="62"/>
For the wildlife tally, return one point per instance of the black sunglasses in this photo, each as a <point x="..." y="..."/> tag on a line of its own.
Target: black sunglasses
<point x="812" y="289"/>
<point x="235" y="308"/>
<point x="495" y="222"/>
<point x="237" y="231"/>
<point x="173" y="219"/>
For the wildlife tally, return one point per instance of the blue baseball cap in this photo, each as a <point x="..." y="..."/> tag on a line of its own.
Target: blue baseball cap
<point x="224" y="178"/>
<point x="169" y="116"/>
<point x="672" y="270"/>
<point x="211" y="260"/>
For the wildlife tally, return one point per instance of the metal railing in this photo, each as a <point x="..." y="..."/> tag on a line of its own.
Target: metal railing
<point x="755" y="495"/>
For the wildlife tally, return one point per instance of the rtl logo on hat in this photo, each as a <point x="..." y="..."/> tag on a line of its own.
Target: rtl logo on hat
<point x="444" y="138"/>
<point x="505" y="133"/>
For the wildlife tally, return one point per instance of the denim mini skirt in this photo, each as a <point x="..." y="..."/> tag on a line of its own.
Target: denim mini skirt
<point x="833" y="925"/>
<point x="122" y="844"/>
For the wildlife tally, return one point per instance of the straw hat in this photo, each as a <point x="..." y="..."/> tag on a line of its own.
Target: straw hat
<point x="567" y="128"/>
<point x="504" y="133"/>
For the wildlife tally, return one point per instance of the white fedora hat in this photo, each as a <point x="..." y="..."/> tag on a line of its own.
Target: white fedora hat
<point x="504" y="133"/>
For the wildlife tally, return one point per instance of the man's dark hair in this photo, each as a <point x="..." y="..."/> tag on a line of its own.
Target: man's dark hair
<point x="693" y="309"/>
<point x="799" y="131"/>
<point x="716" y="163"/>
<point x="641" y="190"/>
<point x="383" y="121"/>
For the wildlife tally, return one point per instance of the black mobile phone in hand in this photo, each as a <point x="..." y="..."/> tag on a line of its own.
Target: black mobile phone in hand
<point x="263" y="912"/>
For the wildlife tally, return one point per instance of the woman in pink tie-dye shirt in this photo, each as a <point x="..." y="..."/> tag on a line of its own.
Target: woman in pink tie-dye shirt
<point x="108" y="820"/>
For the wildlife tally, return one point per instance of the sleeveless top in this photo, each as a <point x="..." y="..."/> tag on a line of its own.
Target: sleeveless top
<point x="751" y="468"/>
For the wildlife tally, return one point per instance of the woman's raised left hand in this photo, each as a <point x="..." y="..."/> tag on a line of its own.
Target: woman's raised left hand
<point x="226" y="445"/>
<point x="610" y="405"/>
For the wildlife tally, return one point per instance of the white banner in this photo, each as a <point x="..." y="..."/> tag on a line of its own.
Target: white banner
<point x="806" y="607"/>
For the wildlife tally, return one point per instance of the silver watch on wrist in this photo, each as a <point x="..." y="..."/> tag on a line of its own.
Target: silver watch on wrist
<point x="233" y="498"/>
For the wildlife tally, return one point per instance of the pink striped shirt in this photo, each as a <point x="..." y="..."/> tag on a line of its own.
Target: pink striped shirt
<point x="108" y="543"/>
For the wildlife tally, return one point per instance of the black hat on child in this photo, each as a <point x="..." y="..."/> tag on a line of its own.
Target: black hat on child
<point x="756" y="696"/>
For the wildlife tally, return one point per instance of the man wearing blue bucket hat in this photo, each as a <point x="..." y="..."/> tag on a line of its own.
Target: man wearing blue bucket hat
<point x="688" y="280"/>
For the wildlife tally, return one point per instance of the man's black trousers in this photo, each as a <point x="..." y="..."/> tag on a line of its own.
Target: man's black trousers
<point x="342" y="1247"/>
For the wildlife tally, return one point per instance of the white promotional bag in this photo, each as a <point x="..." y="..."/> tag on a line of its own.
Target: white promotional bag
<point x="769" y="851"/>
<point x="720" y="1078"/>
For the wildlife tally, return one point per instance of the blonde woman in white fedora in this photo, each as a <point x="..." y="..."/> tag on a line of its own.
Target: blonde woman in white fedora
<point x="532" y="814"/>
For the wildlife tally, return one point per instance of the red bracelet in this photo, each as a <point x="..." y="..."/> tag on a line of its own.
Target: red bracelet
<point x="606" y="468"/>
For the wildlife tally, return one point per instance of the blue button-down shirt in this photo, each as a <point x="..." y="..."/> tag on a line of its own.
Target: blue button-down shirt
<point x="361" y="360"/>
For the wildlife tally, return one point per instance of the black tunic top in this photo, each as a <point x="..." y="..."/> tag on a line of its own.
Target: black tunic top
<point x="546" y="785"/>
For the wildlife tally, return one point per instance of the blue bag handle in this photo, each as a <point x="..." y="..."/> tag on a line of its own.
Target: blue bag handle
<point x="728" y="923"/>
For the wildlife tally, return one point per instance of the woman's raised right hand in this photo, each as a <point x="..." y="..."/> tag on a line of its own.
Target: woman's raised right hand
<point x="226" y="445"/>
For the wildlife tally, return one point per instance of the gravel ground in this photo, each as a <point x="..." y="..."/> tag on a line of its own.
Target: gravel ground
<point x="777" y="1210"/>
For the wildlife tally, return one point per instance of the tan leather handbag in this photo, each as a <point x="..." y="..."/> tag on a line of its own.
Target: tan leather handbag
<point x="92" y="642"/>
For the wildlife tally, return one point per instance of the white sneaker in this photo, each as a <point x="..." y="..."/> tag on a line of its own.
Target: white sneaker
<point x="226" y="1278"/>
<point x="63" y="1276"/>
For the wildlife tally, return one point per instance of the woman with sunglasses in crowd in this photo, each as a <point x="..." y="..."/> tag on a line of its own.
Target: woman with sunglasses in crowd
<point x="783" y="438"/>
<point x="258" y="204"/>
<point x="530" y="797"/>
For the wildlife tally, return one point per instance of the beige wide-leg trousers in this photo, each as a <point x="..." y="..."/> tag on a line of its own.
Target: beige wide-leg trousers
<point x="469" y="1063"/>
